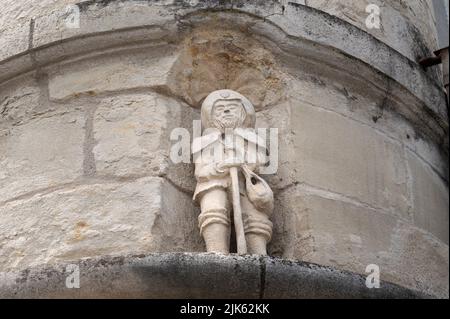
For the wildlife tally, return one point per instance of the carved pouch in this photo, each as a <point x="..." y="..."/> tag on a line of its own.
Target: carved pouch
<point x="258" y="191"/>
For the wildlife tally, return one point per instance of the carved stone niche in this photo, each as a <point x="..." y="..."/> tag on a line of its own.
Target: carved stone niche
<point x="211" y="61"/>
<point x="215" y="58"/>
<point x="210" y="58"/>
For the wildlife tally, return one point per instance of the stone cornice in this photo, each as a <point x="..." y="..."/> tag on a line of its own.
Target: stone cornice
<point x="195" y="275"/>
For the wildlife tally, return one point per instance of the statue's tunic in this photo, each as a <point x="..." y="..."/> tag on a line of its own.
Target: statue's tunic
<point x="209" y="150"/>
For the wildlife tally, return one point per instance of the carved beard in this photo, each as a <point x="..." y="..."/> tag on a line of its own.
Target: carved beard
<point x="223" y="124"/>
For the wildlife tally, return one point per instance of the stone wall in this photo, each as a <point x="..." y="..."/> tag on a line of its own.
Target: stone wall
<point x="86" y="116"/>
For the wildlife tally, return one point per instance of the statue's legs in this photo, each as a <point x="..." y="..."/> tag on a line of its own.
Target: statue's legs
<point x="257" y="227"/>
<point x="214" y="220"/>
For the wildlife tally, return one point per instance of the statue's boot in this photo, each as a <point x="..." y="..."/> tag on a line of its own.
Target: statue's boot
<point x="256" y="244"/>
<point x="217" y="238"/>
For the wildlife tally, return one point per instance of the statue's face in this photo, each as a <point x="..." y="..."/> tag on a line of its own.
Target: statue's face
<point x="228" y="114"/>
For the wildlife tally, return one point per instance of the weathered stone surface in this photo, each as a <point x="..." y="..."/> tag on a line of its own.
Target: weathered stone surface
<point x="95" y="219"/>
<point x="43" y="153"/>
<point x="366" y="110"/>
<point x="131" y="136"/>
<point x="279" y="117"/>
<point x="318" y="227"/>
<point x="98" y="17"/>
<point x="19" y="101"/>
<point x="13" y="40"/>
<point x="212" y="59"/>
<point x="181" y="174"/>
<point x="182" y="276"/>
<point x="373" y="110"/>
<point x="22" y="12"/>
<point x="406" y="28"/>
<point x="300" y="21"/>
<point x="129" y="133"/>
<point x="144" y="69"/>
<point x="302" y="280"/>
<point x="340" y="155"/>
<point x="430" y="198"/>
<point x="12" y="67"/>
<point x="14" y="28"/>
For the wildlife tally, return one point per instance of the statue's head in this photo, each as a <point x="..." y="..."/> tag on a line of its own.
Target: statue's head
<point x="227" y="109"/>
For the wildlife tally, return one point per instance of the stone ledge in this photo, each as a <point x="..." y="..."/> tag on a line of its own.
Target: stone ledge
<point x="194" y="275"/>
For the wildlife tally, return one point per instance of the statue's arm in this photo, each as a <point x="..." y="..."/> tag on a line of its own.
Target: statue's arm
<point x="207" y="171"/>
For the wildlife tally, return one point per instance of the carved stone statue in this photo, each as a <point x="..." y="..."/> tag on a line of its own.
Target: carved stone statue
<point x="228" y="156"/>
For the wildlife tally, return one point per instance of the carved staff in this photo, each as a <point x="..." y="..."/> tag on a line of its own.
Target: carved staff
<point x="237" y="211"/>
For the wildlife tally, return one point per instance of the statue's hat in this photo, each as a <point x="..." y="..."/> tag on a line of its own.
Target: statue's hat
<point x="226" y="95"/>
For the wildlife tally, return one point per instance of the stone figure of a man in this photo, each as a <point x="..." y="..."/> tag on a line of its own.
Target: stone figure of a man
<point x="223" y="112"/>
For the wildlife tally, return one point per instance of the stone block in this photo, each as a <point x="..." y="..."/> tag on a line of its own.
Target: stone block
<point x="131" y="136"/>
<point x="337" y="154"/>
<point x="328" y="231"/>
<point x="362" y="106"/>
<point x="112" y="72"/>
<point x="96" y="219"/>
<point x="430" y="198"/>
<point x="51" y="24"/>
<point x="397" y="29"/>
<point x="279" y="117"/>
<point x="14" y="40"/>
<point x="128" y="132"/>
<point x="41" y="154"/>
<point x="19" y="101"/>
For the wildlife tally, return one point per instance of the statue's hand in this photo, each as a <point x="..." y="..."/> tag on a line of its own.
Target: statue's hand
<point x="228" y="163"/>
